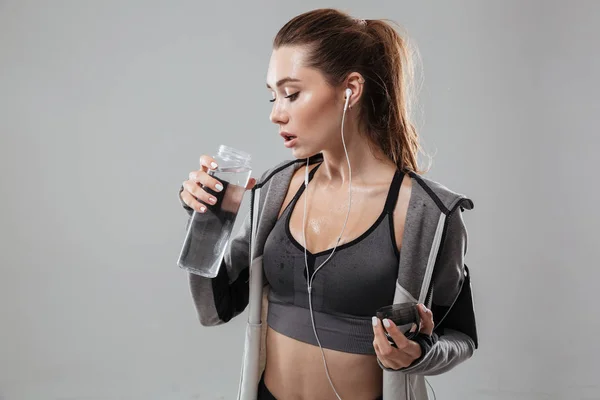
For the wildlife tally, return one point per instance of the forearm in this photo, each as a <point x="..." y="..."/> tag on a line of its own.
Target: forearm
<point x="449" y="350"/>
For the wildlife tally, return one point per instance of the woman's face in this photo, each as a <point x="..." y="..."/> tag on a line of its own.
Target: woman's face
<point x="307" y="109"/>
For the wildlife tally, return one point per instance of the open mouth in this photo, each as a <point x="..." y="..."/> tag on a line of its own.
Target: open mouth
<point x="289" y="140"/>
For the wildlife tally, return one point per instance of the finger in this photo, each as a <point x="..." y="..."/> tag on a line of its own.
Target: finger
<point x="404" y="344"/>
<point x="426" y="315"/>
<point x="198" y="192"/>
<point x="192" y="202"/>
<point x="382" y="346"/>
<point x="206" y="180"/>
<point x="389" y="356"/>
<point x="207" y="163"/>
<point x="251" y="183"/>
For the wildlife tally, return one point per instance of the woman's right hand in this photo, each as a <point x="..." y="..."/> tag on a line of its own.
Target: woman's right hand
<point x="193" y="195"/>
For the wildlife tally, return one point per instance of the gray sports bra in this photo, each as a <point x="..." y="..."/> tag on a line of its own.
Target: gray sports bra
<point x="359" y="278"/>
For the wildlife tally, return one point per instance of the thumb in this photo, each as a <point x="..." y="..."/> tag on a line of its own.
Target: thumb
<point x="426" y="320"/>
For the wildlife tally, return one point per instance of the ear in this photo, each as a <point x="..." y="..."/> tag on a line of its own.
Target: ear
<point x="356" y="82"/>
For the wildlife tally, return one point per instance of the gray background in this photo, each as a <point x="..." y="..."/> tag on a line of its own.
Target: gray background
<point x="105" y="107"/>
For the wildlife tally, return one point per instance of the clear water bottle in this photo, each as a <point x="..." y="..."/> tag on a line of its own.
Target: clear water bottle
<point x="208" y="233"/>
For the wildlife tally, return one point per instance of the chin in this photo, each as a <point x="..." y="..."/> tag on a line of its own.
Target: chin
<point x="300" y="153"/>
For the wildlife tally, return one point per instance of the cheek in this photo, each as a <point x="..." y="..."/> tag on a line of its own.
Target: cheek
<point x="317" y="116"/>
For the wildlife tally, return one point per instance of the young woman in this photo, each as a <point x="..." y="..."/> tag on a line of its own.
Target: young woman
<point x="348" y="227"/>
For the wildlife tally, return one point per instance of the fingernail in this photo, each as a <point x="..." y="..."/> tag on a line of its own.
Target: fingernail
<point x="202" y="209"/>
<point x="212" y="200"/>
<point x="213" y="164"/>
<point x="386" y="323"/>
<point x="219" y="187"/>
<point x="375" y="321"/>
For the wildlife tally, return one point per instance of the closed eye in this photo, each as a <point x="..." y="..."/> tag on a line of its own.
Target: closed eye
<point x="292" y="97"/>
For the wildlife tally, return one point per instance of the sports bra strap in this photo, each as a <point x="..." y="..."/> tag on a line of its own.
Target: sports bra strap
<point x="302" y="186"/>
<point x="392" y="197"/>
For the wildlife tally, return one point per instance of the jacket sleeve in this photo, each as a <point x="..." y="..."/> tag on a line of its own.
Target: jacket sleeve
<point x="455" y="337"/>
<point x="218" y="300"/>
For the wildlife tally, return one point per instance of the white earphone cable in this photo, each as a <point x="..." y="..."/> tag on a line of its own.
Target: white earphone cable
<point x="310" y="278"/>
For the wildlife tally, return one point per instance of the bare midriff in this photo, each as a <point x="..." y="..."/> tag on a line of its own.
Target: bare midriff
<point x="295" y="370"/>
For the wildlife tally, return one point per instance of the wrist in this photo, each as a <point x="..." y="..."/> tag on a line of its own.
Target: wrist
<point x="425" y="342"/>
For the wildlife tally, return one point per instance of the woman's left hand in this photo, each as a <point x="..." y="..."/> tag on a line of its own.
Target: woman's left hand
<point x="408" y="350"/>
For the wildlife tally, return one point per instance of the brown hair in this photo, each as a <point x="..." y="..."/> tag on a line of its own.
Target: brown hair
<point x="338" y="45"/>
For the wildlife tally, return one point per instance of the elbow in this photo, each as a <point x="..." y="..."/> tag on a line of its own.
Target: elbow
<point x="207" y="320"/>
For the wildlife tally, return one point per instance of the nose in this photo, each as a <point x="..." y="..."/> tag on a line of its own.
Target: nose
<point x="278" y="115"/>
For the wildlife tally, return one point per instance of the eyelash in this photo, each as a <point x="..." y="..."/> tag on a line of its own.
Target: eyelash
<point x="292" y="97"/>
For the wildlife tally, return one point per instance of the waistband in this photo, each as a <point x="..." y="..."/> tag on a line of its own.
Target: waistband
<point x="349" y="334"/>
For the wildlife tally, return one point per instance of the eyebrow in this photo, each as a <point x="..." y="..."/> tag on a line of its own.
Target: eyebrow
<point x="284" y="80"/>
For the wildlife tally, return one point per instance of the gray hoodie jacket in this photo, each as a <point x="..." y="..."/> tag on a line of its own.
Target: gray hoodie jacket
<point x="431" y="270"/>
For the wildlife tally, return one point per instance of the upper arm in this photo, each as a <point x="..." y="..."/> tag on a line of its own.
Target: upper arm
<point x="452" y="298"/>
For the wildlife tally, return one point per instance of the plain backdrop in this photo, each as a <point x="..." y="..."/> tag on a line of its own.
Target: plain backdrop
<point x="105" y="106"/>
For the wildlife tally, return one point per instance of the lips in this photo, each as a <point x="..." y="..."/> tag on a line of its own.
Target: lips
<point x="287" y="136"/>
<point x="289" y="139"/>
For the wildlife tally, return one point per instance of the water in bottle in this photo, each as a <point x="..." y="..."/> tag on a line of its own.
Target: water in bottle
<point x="208" y="233"/>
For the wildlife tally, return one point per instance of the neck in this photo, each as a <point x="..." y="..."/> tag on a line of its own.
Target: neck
<point x="366" y="161"/>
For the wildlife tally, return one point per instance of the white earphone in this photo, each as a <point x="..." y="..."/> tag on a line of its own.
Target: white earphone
<point x="306" y="175"/>
<point x="348" y="93"/>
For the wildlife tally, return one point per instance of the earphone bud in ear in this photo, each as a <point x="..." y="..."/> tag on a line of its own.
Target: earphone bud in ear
<point x="348" y="94"/>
